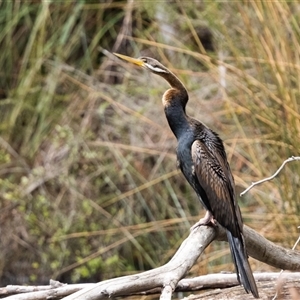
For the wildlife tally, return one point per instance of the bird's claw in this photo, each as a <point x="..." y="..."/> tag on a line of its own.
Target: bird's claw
<point x="207" y="220"/>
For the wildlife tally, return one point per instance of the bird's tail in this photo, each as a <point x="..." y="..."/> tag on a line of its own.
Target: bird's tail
<point x="242" y="266"/>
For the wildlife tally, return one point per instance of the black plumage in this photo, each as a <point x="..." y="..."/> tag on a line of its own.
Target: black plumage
<point x="202" y="159"/>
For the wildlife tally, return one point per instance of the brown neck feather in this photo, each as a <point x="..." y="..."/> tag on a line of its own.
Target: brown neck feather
<point x="177" y="93"/>
<point x="173" y="80"/>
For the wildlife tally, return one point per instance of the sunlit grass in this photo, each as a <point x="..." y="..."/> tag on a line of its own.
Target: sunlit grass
<point x="88" y="165"/>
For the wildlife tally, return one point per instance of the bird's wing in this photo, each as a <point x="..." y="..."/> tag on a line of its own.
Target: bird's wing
<point x="213" y="173"/>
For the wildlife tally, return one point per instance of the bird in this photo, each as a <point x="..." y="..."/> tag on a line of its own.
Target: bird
<point x="202" y="159"/>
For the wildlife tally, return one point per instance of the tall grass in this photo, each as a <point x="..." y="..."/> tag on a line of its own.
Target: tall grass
<point x="89" y="184"/>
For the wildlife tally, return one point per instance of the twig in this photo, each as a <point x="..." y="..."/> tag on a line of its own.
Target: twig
<point x="271" y="177"/>
<point x="297" y="242"/>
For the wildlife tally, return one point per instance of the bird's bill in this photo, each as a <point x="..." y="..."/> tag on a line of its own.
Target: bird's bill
<point x="135" y="61"/>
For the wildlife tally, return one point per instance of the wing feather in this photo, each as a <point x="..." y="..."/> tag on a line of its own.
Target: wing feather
<point x="212" y="171"/>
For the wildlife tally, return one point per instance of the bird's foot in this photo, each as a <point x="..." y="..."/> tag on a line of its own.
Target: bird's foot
<point x="207" y="220"/>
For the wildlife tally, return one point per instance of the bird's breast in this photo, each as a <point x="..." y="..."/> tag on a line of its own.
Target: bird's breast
<point x="184" y="156"/>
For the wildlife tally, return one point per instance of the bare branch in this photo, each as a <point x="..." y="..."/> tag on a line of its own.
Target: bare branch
<point x="217" y="281"/>
<point x="271" y="177"/>
<point x="288" y="288"/>
<point x="166" y="293"/>
<point x="211" y="281"/>
<point x="297" y="242"/>
<point x="274" y="255"/>
<point x="168" y="276"/>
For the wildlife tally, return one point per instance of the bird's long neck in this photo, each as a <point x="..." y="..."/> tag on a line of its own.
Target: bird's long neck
<point x="177" y="118"/>
<point x="174" y="101"/>
<point x="176" y="86"/>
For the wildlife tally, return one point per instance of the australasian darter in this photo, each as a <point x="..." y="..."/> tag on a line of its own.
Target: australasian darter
<point x="202" y="159"/>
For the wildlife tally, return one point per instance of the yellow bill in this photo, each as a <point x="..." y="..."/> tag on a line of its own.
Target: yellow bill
<point x="135" y="61"/>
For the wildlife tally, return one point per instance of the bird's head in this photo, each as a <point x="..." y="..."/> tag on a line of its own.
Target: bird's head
<point x="177" y="91"/>
<point x="148" y="63"/>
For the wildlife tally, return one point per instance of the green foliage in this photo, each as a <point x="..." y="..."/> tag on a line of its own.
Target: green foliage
<point x="89" y="186"/>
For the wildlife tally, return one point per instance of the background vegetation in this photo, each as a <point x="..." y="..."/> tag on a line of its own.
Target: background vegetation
<point x="89" y="185"/>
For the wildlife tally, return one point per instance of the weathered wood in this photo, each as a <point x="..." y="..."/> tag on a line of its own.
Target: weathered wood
<point x="168" y="277"/>
<point x="287" y="287"/>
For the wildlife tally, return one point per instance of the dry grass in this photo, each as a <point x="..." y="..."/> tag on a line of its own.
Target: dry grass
<point x="88" y="183"/>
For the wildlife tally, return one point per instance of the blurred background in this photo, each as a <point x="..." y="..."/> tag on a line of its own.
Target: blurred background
<point x="88" y="181"/>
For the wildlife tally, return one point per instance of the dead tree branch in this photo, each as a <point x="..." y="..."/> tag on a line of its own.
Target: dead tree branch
<point x="271" y="177"/>
<point x="168" y="277"/>
<point x="218" y="282"/>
